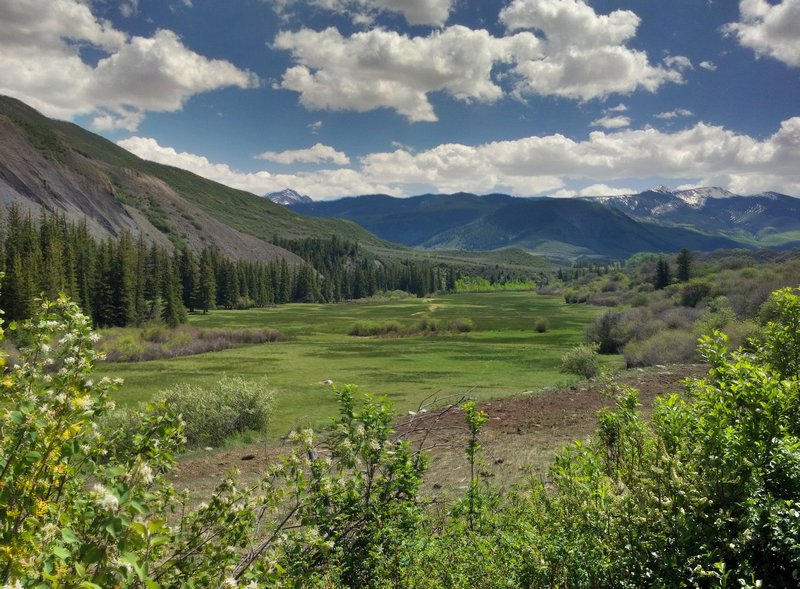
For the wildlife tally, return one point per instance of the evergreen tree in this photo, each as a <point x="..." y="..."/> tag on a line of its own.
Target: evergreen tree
<point x="663" y="274"/>
<point x="207" y="291"/>
<point x="684" y="265"/>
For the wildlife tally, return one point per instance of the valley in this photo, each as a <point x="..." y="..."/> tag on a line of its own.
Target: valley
<point x="502" y="356"/>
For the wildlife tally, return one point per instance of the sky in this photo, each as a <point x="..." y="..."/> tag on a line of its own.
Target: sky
<point x="345" y="97"/>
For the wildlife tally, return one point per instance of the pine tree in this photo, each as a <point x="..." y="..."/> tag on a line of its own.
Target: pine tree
<point x="684" y="265"/>
<point x="663" y="274"/>
<point x="207" y="291"/>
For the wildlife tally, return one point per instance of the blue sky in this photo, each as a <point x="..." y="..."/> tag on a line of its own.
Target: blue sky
<point x="345" y="97"/>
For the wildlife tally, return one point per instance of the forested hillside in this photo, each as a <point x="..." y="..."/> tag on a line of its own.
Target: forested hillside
<point x="128" y="281"/>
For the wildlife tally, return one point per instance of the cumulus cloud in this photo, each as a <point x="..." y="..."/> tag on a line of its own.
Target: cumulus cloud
<point x="769" y="29"/>
<point x="708" y="65"/>
<point x="40" y="62"/>
<point x="585" y="54"/>
<point x="618" y="108"/>
<point x="415" y="12"/>
<point x="318" y="153"/>
<point x="701" y="155"/>
<point x="321" y="184"/>
<point x="711" y="154"/>
<point x="552" y="48"/>
<point x="379" y="68"/>
<point x="612" y="122"/>
<point x="674" y="114"/>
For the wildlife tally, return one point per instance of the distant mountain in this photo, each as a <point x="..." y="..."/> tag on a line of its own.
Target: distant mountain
<point x="766" y="219"/>
<point x="287" y="197"/>
<point x="555" y="228"/>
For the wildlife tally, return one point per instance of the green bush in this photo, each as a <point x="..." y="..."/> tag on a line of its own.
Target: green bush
<point x="666" y="347"/>
<point x="581" y="360"/>
<point x="211" y="415"/>
<point x="541" y="325"/>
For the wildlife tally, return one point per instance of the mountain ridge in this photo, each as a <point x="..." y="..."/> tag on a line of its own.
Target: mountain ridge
<point x="658" y="220"/>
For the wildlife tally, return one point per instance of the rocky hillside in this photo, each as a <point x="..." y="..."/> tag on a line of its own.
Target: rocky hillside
<point x="62" y="167"/>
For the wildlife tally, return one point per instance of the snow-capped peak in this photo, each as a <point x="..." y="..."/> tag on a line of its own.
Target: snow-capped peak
<point x="697" y="197"/>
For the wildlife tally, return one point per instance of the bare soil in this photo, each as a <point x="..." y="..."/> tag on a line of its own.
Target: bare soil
<point x="521" y="438"/>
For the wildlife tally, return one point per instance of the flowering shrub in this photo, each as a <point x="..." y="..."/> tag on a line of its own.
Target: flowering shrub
<point x="73" y="513"/>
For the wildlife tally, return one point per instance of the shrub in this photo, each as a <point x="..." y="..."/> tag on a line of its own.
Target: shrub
<point x="693" y="292"/>
<point x="130" y="345"/>
<point x="233" y="405"/>
<point x="581" y="360"/>
<point x="541" y="325"/>
<point x="667" y="347"/>
<point x="610" y="332"/>
<point x="371" y="328"/>
<point x="461" y="325"/>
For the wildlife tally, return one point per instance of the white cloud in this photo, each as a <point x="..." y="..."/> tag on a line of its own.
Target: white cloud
<point x="618" y="108"/>
<point x="415" y="12"/>
<point x="612" y="122"/>
<point x="710" y="154"/>
<point x="315" y="127"/>
<point x="40" y="63"/>
<point x="584" y="55"/>
<point x="129" y="8"/>
<point x="702" y="155"/>
<point x="318" y="153"/>
<point x="605" y="190"/>
<point x="708" y="65"/>
<point x="769" y="29"/>
<point x="379" y="68"/>
<point x="322" y="184"/>
<point x="674" y="114"/>
<point x="565" y="49"/>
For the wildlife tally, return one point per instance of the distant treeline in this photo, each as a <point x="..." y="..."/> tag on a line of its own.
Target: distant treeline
<point x="128" y="281"/>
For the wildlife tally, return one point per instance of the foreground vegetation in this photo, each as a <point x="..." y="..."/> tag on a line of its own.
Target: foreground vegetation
<point x="706" y="494"/>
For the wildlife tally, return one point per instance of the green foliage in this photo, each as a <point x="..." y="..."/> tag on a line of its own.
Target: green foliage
<point x="212" y="414"/>
<point x="684" y="262"/>
<point x="693" y="292"/>
<point x="675" y="346"/>
<point x="782" y="335"/>
<point x="706" y="493"/>
<point x="541" y="325"/>
<point x="481" y="284"/>
<point x="581" y="360"/>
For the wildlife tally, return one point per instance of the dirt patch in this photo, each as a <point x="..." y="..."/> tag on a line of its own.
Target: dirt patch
<point x="521" y="438"/>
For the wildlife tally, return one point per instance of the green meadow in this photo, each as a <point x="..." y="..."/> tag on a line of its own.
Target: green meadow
<point x="503" y="355"/>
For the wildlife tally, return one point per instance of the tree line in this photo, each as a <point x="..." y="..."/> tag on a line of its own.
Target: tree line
<point x="128" y="281"/>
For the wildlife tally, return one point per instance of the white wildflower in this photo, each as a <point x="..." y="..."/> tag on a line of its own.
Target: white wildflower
<point x="45" y="348"/>
<point x="375" y="445"/>
<point x="142" y="473"/>
<point x="84" y="403"/>
<point x="69" y="360"/>
<point x="230" y="582"/>
<point x="118" y="381"/>
<point x="251" y="585"/>
<point x="94" y="336"/>
<point x="105" y="497"/>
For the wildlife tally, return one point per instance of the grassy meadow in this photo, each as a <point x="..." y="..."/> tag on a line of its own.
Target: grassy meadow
<point x="504" y="354"/>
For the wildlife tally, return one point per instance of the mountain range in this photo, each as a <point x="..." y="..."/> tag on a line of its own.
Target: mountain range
<point x="58" y="166"/>
<point x="657" y="220"/>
